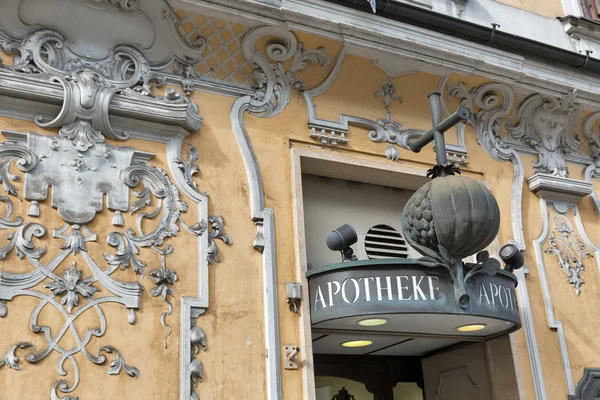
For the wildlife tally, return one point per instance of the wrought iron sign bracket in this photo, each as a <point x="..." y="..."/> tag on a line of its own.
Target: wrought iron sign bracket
<point x="436" y="134"/>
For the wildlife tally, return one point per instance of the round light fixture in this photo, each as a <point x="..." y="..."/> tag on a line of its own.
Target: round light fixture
<point x="373" y="322"/>
<point x="471" y="327"/>
<point x="357" y="343"/>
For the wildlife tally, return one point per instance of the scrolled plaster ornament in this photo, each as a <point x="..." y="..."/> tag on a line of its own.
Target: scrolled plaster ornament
<point x="197" y="340"/>
<point x="388" y="129"/>
<point x="72" y="286"/>
<point x="163" y="278"/>
<point x="593" y="137"/>
<point x="569" y="250"/>
<point x="217" y="232"/>
<point x="79" y="179"/>
<point x="273" y="84"/>
<point x="545" y="124"/>
<point x="89" y="85"/>
<point x="271" y="95"/>
<point x="490" y="104"/>
<point x="76" y="291"/>
<point x="24" y="159"/>
<point x="189" y="168"/>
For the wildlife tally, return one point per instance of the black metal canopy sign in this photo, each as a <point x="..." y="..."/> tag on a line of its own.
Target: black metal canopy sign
<point x="404" y="286"/>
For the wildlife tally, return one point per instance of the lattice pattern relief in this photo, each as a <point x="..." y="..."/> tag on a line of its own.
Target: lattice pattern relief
<point x="224" y="60"/>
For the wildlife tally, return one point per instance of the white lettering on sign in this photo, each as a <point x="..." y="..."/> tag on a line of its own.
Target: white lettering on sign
<point x="319" y="297"/>
<point x="379" y="288"/>
<point x="388" y="288"/>
<point x="331" y="292"/>
<point x="497" y="295"/>
<point x="356" y="290"/>
<point x="367" y="289"/>
<point x="401" y="288"/>
<point x="417" y="288"/>
<point x="431" y="287"/>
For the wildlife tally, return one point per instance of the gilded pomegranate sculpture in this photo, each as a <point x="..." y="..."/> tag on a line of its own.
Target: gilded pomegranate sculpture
<point x="450" y="218"/>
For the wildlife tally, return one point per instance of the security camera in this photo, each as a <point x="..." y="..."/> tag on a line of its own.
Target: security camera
<point x="512" y="257"/>
<point x="341" y="239"/>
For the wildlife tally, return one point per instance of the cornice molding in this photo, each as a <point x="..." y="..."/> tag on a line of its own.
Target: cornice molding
<point x="561" y="191"/>
<point x="373" y="33"/>
<point x="40" y="97"/>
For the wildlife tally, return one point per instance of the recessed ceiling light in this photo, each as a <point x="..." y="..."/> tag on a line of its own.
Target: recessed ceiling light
<point x="471" y="327"/>
<point x="373" y="322"/>
<point x="357" y="343"/>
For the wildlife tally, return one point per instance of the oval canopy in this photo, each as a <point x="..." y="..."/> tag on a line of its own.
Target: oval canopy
<point x="413" y="297"/>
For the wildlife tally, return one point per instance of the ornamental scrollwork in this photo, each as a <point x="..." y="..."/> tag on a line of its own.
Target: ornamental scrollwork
<point x="388" y="129"/>
<point x="155" y="216"/>
<point x="569" y="250"/>
<point x="217" y="232"/>
<point x="593" y="138"/>
<point x="89" y="84"/>
<point x="489" y="104"/>
<point x="197" y="341"/>
<point x="189" y="168"/>
<point x="273" y="84"/>
<point x="545" y="124"/>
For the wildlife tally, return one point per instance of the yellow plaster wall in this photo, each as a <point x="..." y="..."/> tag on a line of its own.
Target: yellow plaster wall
<point x="547" y="8"/>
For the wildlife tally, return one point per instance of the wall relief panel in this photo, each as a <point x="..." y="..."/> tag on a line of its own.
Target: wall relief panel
<point x="95" y="79"/>
<point x="88" y="284"/>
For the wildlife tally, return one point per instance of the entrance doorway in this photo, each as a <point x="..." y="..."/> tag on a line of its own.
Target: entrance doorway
<point x="455" y="374"/>
<point x="412" y="355"/>
<point x="368" y="377"/>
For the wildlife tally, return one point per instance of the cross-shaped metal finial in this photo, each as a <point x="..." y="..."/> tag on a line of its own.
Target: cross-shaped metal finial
<point x="436" y="134"/>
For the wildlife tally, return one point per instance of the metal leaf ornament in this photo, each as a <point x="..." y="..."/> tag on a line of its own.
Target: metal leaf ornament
<point x="443" y="170"/>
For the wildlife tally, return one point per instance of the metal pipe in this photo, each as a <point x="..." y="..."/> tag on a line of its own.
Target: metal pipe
<point x="460" y="115"/>
<point x="438" y="137"/>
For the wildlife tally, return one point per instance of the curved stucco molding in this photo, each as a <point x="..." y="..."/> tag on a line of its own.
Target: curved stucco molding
<point x="274" y="85"/>
<point x="563" y="195"/>
<point x="384" y="130"/>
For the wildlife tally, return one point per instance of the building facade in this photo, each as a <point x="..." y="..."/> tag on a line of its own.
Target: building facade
<point x="171" y="171"/>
